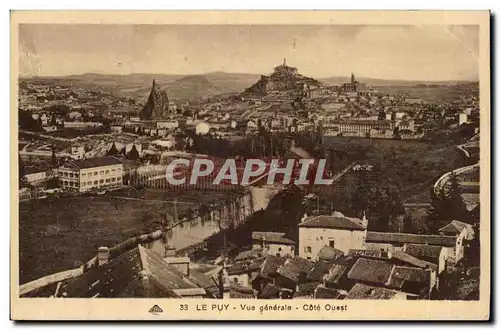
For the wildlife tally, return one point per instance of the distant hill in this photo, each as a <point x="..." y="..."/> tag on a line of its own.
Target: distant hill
<point x="390" y="82"/>
<point x="138" y="86"/>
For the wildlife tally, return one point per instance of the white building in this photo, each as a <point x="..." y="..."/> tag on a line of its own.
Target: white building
<point x="462" y="118"/>
<point x="93" y="173"/>
<point x="337" y="231"/>
<point x="273" y="243"/>
<point x="453" y="245"/>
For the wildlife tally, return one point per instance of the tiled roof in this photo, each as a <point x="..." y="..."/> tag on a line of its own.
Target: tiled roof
<point x="363" y="291"/>
<point x="270" y="291"/>
<point x="402" y="238"/>
<point x="366" y="253"/>
<point x="238" y="268"/>
<point x="319" y="270"/>
<point x="94" y="162"/>
<point x="239" y="292"/>
<point x="328" y="253"/>
<point x="334" y="222"/>
<point x="249" y="254"/>
<point x="322" y="292"/>
<point x="411" y="274"/>
<point x="335" y="273"/>
<point x="136" y="273"/>
<point x="425" y="252"/>
<point x="270" y="265"/>
<point x="455" y="227"/>
<point x="409" y="259"/>
<point x="370" y="270"/>
<point x="295" y="267"/>
<point x="272" y="237"/>
<point x="306" y="289"/>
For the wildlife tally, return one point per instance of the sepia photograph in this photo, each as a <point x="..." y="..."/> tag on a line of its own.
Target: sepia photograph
<point x="259" y="168"/>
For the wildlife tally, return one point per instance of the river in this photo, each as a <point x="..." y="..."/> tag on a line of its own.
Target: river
<point x="184" y="235"/>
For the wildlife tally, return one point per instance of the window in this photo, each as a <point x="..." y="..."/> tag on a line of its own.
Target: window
<point x="108" y="180"/>
<point x="95" y="173"/>
<point x="278" y="255"/>
<point x="332" y="243"/>
<point x="96" y="182"/>
<point x="101" y="181"/>
<point x="84" y="174"/>
<point x="102" y="172"/>
<point x="279" y="249"/>
<point x="89" y="183"/>
<point x="113" y="179"/>
<point x="308" y="258"/>
<point x="307" y="249"/>
<point x="235" y="280"/>
<point x="90" y="174"/>
<point x="113" y="170"/>
<point x="107" y="171"/>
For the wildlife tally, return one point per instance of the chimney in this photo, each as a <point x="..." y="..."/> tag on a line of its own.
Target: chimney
<point x="364" y="220"/>
<point x="102" y="255"/>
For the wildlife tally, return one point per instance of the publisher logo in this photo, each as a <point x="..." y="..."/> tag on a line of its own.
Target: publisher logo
<point x="155" y="310"/>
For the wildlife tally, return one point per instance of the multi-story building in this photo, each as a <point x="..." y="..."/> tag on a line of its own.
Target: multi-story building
<point x="98" y="173"/>
<point x="336" y="231"/>
<point x="361" y="128"/>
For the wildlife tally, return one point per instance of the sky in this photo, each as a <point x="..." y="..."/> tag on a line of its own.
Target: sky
<point x="410" y="52"/>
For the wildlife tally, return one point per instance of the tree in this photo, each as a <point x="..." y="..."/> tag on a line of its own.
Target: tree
<point x="133" y="154"/>
<point x="54" y="158"/>
<point x="450" y="206"/>
<point x="113" y="151"/>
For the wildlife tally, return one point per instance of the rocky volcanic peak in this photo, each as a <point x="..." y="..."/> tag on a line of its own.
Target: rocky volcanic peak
<point x="156" y="106"/>
<point x="284" y="78"/>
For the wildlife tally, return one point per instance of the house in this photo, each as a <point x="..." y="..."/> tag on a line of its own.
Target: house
<point x="371" y="271"/>
<point x="328" y="253"/>
<point x="365" y="292"/>
<point x="414" y="281"/>
<point x="273" y="243"/>
<point x="243" y="273"/>
<point x="249" y="255"/>
<point x="458" y="228"/>
<point x="267" y="272"/>
<point x="337" y="231"/>
<point x="293" y="272"/>
<point x="91" y="173"/>
<point x="430" y="253"/>
<point x="322" y="292"/>
<point x="396" y="241"/>
<point x="137" y="273"/>
<point x="116" y="128"/>
<point x="167" y="124"/>
<point x="336" y="278"/>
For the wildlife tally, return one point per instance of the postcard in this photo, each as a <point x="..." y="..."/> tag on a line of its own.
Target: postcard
<point x="250" y="165"/>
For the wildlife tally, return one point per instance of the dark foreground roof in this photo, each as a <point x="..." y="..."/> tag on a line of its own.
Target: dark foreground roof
<point x="363" y="291"/>
<point x="135" y="273"/>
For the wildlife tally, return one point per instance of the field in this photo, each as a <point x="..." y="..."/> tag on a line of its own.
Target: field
<point x="411" y="167"/>
<point x="56" y="234"/>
